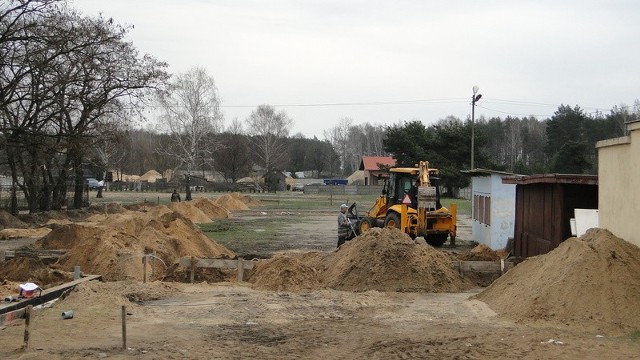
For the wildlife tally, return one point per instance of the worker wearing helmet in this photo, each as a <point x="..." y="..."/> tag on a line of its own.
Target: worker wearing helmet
<point x="344" y="227"/>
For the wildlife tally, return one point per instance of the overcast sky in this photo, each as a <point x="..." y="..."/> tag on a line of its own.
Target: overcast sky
<point x="384" y="62"/>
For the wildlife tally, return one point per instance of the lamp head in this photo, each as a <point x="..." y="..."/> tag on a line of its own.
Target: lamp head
<point x="475" y="89"/>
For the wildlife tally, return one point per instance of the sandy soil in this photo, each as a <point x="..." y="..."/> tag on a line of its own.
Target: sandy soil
<point x="228" y="320"/>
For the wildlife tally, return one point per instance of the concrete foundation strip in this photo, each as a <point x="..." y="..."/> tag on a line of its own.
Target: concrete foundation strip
<point x="191" y="263"/>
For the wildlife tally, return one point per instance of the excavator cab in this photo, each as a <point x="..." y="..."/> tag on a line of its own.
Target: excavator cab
<point x="410" y="201"/>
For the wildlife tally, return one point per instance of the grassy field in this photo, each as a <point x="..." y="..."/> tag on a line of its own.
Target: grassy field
<point x="252" y="233"/>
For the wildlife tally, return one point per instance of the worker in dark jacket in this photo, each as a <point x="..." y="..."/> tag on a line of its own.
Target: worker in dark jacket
<point x="175" y="197"/>
<point x="344" y="226"/>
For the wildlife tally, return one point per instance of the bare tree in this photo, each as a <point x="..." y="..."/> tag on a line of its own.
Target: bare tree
<point x="191" y="114"/>
<point x="233" y="159"/>
<point x="268" y="130"/>
<point x="61" y="75"/>
<point x="338" y="136"/>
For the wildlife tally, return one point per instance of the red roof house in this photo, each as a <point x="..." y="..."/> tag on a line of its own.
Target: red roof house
<point x="375" y="167"/>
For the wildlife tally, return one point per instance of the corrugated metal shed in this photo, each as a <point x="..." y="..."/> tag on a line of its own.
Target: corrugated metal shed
<point x="544" y="206"/>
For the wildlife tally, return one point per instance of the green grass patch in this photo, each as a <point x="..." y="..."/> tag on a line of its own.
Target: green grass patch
<point x="256" y="236"/>
<point x="464" y="205"/>
<point x="635" y="336"/>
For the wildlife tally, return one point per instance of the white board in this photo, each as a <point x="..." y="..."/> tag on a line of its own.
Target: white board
<point x="585" y="220"/>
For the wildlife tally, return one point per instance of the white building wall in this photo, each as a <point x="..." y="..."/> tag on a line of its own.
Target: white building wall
<point x="480" y="233"/>
<point x="502" y="211"/>
<point x="619" y="184"/>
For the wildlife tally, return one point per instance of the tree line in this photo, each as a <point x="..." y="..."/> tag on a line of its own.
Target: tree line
<point x="564" y="143"/>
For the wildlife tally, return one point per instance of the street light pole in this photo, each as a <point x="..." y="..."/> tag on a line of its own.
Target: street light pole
<point x="474" y="98"/>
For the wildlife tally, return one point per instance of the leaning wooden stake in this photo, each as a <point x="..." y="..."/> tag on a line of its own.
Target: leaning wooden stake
<point x="27" y="321"/>
<point x="240" y="269"/>
<point x="144" y="268"/>
<point x="124" y="327"/>
<point x="193" y="270"/>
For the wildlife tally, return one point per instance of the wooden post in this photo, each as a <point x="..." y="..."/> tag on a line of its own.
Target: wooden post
<point x="124" y="327"/>
<point x="144" y="268"/>
<point x="27" y="322"/>
<point x="240" y="269"/>
<point x="193" y="270"/>
<point x="76" y="272"/>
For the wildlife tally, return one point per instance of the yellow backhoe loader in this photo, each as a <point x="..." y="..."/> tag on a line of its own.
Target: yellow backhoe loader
<point x="410" y="201"/>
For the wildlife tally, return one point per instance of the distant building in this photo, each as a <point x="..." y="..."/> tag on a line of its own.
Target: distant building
<point x="374" y="168"/>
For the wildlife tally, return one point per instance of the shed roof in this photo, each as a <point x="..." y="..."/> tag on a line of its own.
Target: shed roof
<point x="371" y="162"/>
<point x="486" y="172"/>
<point x="580" y="179"/>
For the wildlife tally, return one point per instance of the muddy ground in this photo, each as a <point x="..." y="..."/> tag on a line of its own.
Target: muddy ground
<point x="234" y="321"/>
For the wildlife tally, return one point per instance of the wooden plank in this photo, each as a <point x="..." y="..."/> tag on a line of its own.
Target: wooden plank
<point x="38" y="253"/>
<point x="9" y="317"/>
<point x="481" y="266"/>
<point x="46" y="295"/>
<point x="217" y="263"/>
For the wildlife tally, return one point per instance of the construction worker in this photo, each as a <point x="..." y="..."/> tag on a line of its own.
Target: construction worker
<point x="175" y="197"/>
<point x="344" y="226"/>
<point x="413" y="194"/>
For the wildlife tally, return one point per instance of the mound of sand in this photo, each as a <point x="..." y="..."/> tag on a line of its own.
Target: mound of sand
<point x="231" y="203"/>
<point x="480" y="253"/>
<point x="29" y="269"/>
<point x="382" y="259"/>
<point x="211" y="209"/>
<point x="188" y="210"/>
<point x="6" y="234"/>
<point x="9" y="221"/>
<point x="114" y="247"/>
<point x="591" y="281"/>
<point x="285" y="273"/>
<point x="247" y="200"/>
<point x="107" y="208"/>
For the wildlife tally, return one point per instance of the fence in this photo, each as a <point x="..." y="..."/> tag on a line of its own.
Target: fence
<point x="7" y="191"/>
<point x="343" y="189"/>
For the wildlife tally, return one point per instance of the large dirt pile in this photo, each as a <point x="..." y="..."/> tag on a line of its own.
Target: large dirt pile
<point x="247" y="200"/>
<point x="114" y="245"/>
<point x="211" y="209"/>
<point x="191" y="212"/>
<point x="285" y="273"/>
<point x="591" y="281"/>
<point x="231" y="202"/>
<point x="382" y="259"/>
<point x="6" y="234"/>
<point x="480" y="253"/>
<point x="28" y="269"/>
<point x="9" y="221"/>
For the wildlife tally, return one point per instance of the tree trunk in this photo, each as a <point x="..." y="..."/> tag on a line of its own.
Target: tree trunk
<point x="187" y="181"/>
<point x="78" y="186"/>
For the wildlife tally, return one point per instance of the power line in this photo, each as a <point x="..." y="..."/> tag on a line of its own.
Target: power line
<point x="362" y="103"/>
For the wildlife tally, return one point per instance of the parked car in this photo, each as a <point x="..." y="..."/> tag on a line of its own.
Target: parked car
<point x="316" y="184"/>
<point x="94" y="184"/>
<point x="297" y="187"/>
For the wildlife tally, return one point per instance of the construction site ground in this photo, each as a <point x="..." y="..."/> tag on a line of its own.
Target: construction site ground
<point x="230" y="320"/>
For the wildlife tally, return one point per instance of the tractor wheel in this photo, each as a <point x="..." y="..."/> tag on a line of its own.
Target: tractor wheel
<point x="436" y="240"/>
<point x="392" y="220"/>
<point x="365" y="225"/>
